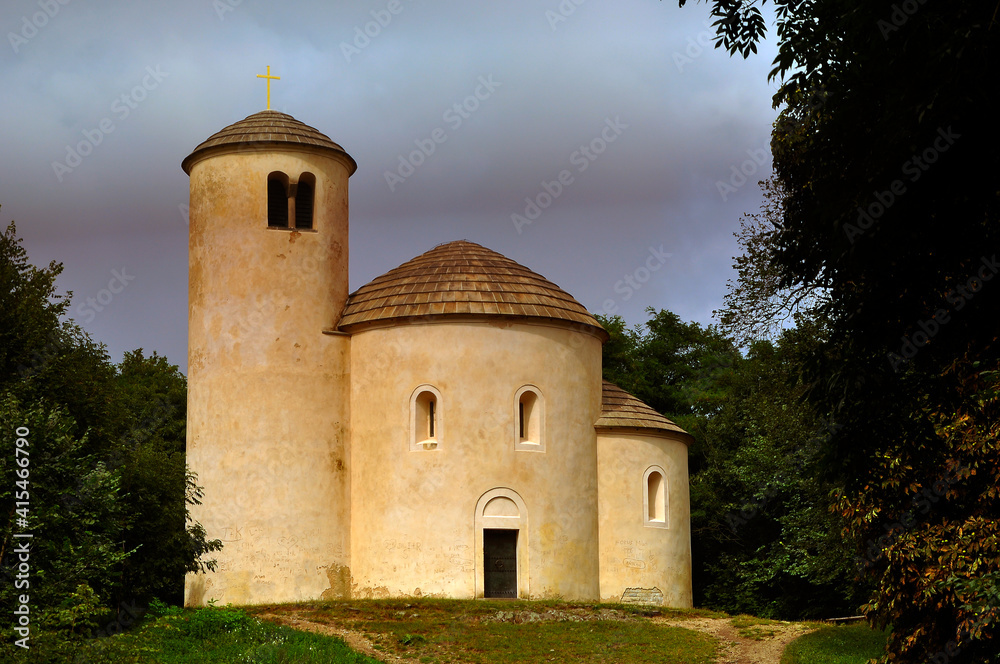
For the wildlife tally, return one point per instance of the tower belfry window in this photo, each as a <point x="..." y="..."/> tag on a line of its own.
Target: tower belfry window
<point x="304" y="198"/>
<point x="277" y="200"/>
<point x="291" y="205"/>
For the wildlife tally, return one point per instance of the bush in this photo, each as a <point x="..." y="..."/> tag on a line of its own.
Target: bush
<point x="158" y="608"/>
<point x="208" y="622"/>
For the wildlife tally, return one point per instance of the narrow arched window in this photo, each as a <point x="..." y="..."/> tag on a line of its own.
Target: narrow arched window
<point x="277" y="200"/>
<point x="529" y="423"/>
<point x="305" y="193"/>
<point x="654" y="507"/>
<point x="655" y="498"/>
<point x="425" y="418"/>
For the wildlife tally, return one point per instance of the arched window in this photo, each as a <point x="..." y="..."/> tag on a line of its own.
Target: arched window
<point x="529" y="420"/>
<point x="277" y="200"/>
<point x="425" y="418"/>
<point x="654" y="499"/>
<point x="305" y="192"/>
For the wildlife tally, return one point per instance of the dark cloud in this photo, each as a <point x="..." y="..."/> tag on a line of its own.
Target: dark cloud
<point x="163" y="77"/>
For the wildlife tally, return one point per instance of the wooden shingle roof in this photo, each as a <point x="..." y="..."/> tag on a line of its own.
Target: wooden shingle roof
<point x="619" y="409"/>
<point x="463" y="279"/>
<point x="263" y="130"/>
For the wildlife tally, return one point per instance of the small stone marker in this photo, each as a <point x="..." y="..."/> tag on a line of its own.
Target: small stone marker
<point x="643" y="596"/>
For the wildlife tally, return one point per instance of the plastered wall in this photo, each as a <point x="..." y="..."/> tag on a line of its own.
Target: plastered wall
<point x="634" y="553"/>
<point x="268" y="397"/>
<point x="414" y="528"/>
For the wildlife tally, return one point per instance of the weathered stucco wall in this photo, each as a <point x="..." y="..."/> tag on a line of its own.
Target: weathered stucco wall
<point x="414" y="515"/>
<point x="268" y="397"/>
<point x="634" y="554"/>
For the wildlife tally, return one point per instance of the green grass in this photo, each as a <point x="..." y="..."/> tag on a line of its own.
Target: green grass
<point x="849" y="644"/>
<point x="431" y="631"/>
<point x="442" y="631"/>
<point x="205" y="636"/>
<point x="598" y="641"/>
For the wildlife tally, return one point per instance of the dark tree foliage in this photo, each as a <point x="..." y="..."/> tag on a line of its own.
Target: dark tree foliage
<point x="107" y="488"/>
<point x="678" y="368"/>
<point x="739" y="25"/>
<point x="673" y="366"/>
<point x="156" y="485"/>
<point x="763" y="539"/>
<point x="74" y="514"/>
<point x="887" y="148"/>
<point x="45" y="357"/>
<point x="757" y="307"/>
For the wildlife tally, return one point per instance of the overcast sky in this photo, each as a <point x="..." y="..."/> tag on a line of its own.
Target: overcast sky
<point x="102" y="100"/>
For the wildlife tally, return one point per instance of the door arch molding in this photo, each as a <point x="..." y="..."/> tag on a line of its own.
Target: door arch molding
<point x="496" y="510"/>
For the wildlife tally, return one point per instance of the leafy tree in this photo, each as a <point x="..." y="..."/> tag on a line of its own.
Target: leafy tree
<point x="756" y="306"/>
<point x="764" y="541"/>
<point x="107" y="488"/>
<point x="671" y="365"/>
<point x="155" y="482"/>
<point x="73" y="513"/>
<point x="740" y="25"/>
<point x="929" y="518"/>
<point x="886" y="150"/>
<point x="761" y="527"/>
<point x="678" y="368"/>
<point x="45" y="357"/>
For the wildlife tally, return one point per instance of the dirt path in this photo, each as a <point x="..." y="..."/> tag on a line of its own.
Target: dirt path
<point x="766" y="648"/>
<point x="355" y="640"/>
<point x="737" y="649"/>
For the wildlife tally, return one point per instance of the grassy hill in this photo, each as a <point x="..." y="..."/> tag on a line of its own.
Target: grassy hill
<point x="446" y="631"/>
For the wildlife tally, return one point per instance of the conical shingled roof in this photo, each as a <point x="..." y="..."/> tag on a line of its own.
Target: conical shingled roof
<point x="462" y="279"/>
<point x="619" y="409"/>
<point x="260" y="131"/>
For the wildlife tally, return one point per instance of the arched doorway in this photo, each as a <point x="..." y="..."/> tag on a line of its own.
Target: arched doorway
<point x="501" y="545"/>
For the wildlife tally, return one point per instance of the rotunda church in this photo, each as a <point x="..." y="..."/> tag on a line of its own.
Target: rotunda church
<point x="441" y="431"/>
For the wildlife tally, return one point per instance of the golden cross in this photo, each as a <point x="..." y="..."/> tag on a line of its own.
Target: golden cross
<point x="269" y="77"/>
